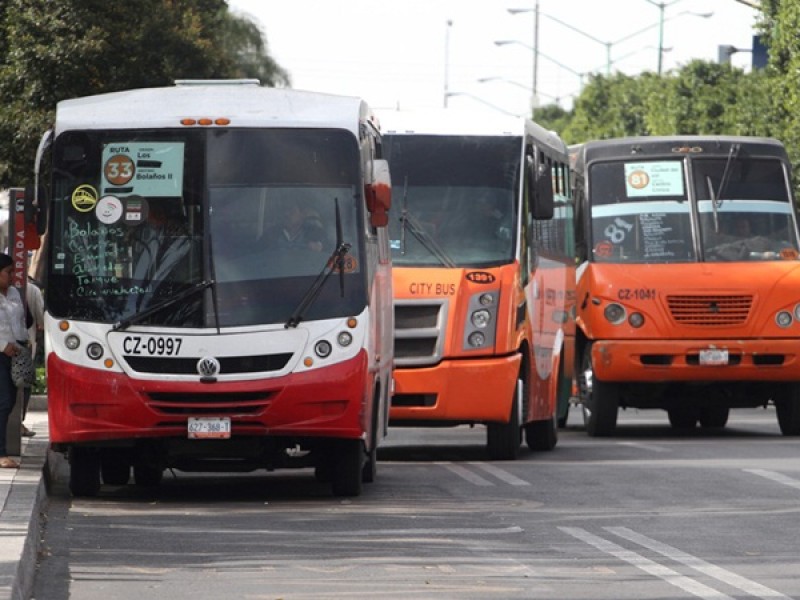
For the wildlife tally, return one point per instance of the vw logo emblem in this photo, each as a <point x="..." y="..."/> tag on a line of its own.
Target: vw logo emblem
<point x="208" y="366"/>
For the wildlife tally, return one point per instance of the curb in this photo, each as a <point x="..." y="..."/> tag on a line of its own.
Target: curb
<point x="24" y="513"/>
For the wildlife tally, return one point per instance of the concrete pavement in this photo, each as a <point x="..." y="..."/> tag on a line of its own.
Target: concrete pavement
<point x="23" y="499"/>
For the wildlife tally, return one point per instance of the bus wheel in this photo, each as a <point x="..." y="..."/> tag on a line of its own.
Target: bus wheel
<point x="714" y="417"/>
<point x="787" y="407"/>
<point x="115" y="471"/>
<point x="542" y="435"/>
<point x="504" y="439"/>
<point x="147" y="476"/>
<point x="84" y="472"/>
<point x="348" y="469"/>
<point x="599" y="399"/>
<point x="682" y="417"/>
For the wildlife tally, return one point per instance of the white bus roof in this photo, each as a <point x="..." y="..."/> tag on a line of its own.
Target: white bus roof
<point x="448" y="121"/>
<point x="246" y="104"/>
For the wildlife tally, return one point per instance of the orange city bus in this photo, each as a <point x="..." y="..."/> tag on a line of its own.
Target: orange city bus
<point x="688" y="278"/>
<point x="483" y="266"/>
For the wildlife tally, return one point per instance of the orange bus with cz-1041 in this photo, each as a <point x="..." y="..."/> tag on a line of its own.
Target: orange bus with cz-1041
<point x="687" y="291"/>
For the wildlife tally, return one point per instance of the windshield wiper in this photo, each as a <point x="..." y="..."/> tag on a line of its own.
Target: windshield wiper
<point x="335" y="261"/>
<point x="141" y="316"/>
<point x="733" y="153"/>
<point x="418" y="231"/>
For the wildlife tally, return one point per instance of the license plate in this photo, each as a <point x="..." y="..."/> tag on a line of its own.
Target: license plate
<point x="713" y="357"/>
<point x="203" y="428"/>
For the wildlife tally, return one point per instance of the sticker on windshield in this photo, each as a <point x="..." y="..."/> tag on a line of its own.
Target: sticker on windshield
<point x="150" y="169"/>
<point x="84" y="198"/>
<point x="663" y="178"/>
<point x="109" y="210"/>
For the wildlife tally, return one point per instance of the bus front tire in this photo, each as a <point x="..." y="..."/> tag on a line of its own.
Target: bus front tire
<point x="348" y="470"/>
<point x="84" y="472"/>
<point x="599" y="400"/>
<point x="542" y="435"/>
<point x="683" y="417"/>
<point x="504" y="439"/>
<point x="787" y="407"/>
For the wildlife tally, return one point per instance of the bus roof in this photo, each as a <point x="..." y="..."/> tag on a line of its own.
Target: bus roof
<point x="246" y="104"/>
<point x="448" y="121"/>
<point x="672" y="145"/>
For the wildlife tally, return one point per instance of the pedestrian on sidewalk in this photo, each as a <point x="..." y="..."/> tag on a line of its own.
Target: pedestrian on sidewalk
<point x="35" y="321"/>
<point x="13" y="334"/>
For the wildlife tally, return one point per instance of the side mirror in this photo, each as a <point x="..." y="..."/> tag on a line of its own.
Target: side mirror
<point x="540" y="190"/>
<point x="379" y="194"/>
<point x="33" y="217"/>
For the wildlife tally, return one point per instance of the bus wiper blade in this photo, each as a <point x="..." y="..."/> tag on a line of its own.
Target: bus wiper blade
<point x="141" y="316"/>
<point x="733" y="154"/>
<point x="426" y="240"/>
<point x="336" y="261"/>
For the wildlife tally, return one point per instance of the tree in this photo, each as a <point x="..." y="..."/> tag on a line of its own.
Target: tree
<point x="57" y="49"/>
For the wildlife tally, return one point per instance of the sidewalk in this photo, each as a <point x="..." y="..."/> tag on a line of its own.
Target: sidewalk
<point x="23" y="497"/>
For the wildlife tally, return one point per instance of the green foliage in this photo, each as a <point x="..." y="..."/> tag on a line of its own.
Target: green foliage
<point x="56" y="49"/>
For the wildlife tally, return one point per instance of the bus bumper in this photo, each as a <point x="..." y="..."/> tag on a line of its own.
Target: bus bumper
<point x="456" y="391"/>
<point x="87" y="405"/>
<point x="661" y="361"/>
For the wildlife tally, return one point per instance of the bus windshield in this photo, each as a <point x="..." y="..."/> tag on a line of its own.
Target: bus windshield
<point x="642" y="211"/>
<point x="747" y="215"/>
<point x="141" y="216"/>
<point x="453" y="199"/>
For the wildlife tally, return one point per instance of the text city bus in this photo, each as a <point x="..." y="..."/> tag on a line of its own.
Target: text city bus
<point x="483" y="270"/>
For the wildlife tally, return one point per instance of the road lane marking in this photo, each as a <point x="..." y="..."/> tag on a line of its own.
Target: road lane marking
<point x="664" y="573"/>
<point x="501" y="474"/>
<point x="746" y="585"/>
<point x="648" y="447"/>
<point x="465" y="473"/>
<point x="777" y="477"/>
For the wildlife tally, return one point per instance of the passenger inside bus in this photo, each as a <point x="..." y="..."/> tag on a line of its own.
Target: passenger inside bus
<point x="298" y="227"/>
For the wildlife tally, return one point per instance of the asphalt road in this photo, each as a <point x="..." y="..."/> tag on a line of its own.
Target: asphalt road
<point x="648" y="514"/>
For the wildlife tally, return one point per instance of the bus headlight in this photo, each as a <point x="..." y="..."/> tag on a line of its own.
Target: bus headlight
<point x="476" y="339"/>
<point x="72" y="342"/>
<point x="481" y="318"/>
<point x="636" y="320"/>
<point x="486" y="299"/>
<point x="797" y="312"/>
<point x="344" y="339"/>
<point x="614" y="313"/>
<point x="323" y="348"/>
<point x="783" y="319"/>
<point x="94" y="351"/>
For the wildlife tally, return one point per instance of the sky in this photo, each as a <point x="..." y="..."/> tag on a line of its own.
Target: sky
<point x="431" y="53"/>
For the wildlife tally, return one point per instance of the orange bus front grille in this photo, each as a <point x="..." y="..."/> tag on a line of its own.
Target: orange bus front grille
<point x="710" y="310"/>
<point x="419" y="327"/>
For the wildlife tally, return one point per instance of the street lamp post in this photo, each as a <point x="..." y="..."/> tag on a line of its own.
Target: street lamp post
<point x="661" y="6"/>
<point x="535" y="50"/>
<point x="448" y="25"/>
<point x="659" y="24"/>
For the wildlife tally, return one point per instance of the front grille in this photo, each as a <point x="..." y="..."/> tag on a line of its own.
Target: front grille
<point x="419" y="327"/>
<point x="710" y="310"/>
<point x="228" y="365"/>
<point x="209" y="403"/>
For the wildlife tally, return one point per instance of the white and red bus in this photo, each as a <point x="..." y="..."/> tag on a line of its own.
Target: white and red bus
<point x="187" y="328"/>
<point x="484" y="275"/>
